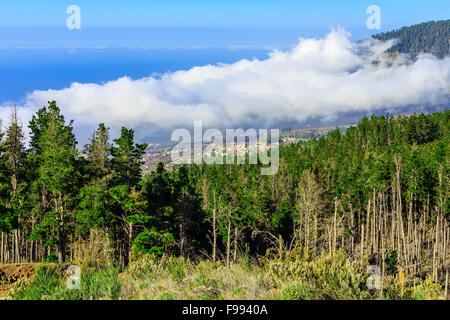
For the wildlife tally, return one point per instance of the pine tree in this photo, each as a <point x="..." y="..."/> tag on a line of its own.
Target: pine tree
<point x="94" y="208"/>
<point x="57" y="176"/>
<point x="126" y="164"/>
<point x="15" y="158"/>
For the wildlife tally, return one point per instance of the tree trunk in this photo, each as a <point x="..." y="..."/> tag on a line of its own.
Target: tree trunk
<point x="61" y="247"/>
<point x="214" y="231"/>
<point x="335" y="225"/>
<point x="183" y="237"/>
<point x="126" y="249"/>
<point x="229" y="242"/>
<point x="235" y="244"/>
<point x="2" y="248"/>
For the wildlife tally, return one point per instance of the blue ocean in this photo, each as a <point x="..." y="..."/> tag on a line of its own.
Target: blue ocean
<point x="52" y="58"/>
<point x="25" y="70"/>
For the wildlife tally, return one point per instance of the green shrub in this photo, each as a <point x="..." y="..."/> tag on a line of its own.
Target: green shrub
<point x="103" y="284"/>
<point x="239" y="292"/>
<point x="176" y="267"/>
<point x="295" y="292"/>
<point x="423" y="290"/>
<point x="327" y="276"/>
<point x="202" y="280"/>
<point x="427" y="290"/>
<point x="49" y="283"/>
<point x="44" y="284"/>
<point x="391" y="262"/>
<point x="51" y="258"/>
<point x="166" y="296"/>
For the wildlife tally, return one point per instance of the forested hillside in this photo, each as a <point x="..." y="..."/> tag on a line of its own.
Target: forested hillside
<point x="428" y="37"/>
<point x="377" y="194"/>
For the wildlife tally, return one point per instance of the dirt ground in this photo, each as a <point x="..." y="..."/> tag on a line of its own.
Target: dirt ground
<point x="10" y="273"/>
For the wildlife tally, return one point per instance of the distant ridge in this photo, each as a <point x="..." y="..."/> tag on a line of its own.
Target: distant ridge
<point x="428" y="37"/>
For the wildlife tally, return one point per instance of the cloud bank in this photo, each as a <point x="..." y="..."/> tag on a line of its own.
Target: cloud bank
<point x="317" y="78"/>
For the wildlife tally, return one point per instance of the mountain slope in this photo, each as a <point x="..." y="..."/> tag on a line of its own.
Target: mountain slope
<point x="428" y="37"/>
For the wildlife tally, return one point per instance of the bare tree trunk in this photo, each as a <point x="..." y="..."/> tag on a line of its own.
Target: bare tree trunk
<point x="229" y="241"/>
<point x="435" y="249"/>
<point x="2" y="248"/>
<point x="130" y="239"/>
<point x="183" y="237"/>
<point x="315" y="234"/>
<point x="368" y="227"/>
<point x="17" y="245"/>
<point x="235" y="244"/>
<point x="382" y="274"/>
<point x="362" y="242"/>
<point x="446" y="285"/>
<point x="61" y="246"/>
<point x="334" y="225"/>
<point x="352" y="237"/>
<point x="214" y="229"/>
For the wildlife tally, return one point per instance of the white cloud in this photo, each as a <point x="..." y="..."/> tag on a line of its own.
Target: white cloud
<point x="317" y="78"/>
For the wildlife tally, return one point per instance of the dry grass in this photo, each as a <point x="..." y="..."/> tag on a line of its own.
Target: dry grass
<point x="292" y="278"/>
<point x="292" y="275"/>
<point x="178" y="279"/>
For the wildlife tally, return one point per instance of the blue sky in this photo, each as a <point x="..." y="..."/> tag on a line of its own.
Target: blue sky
<point x="42" y="23"/>
<point x="219" y="13"/>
